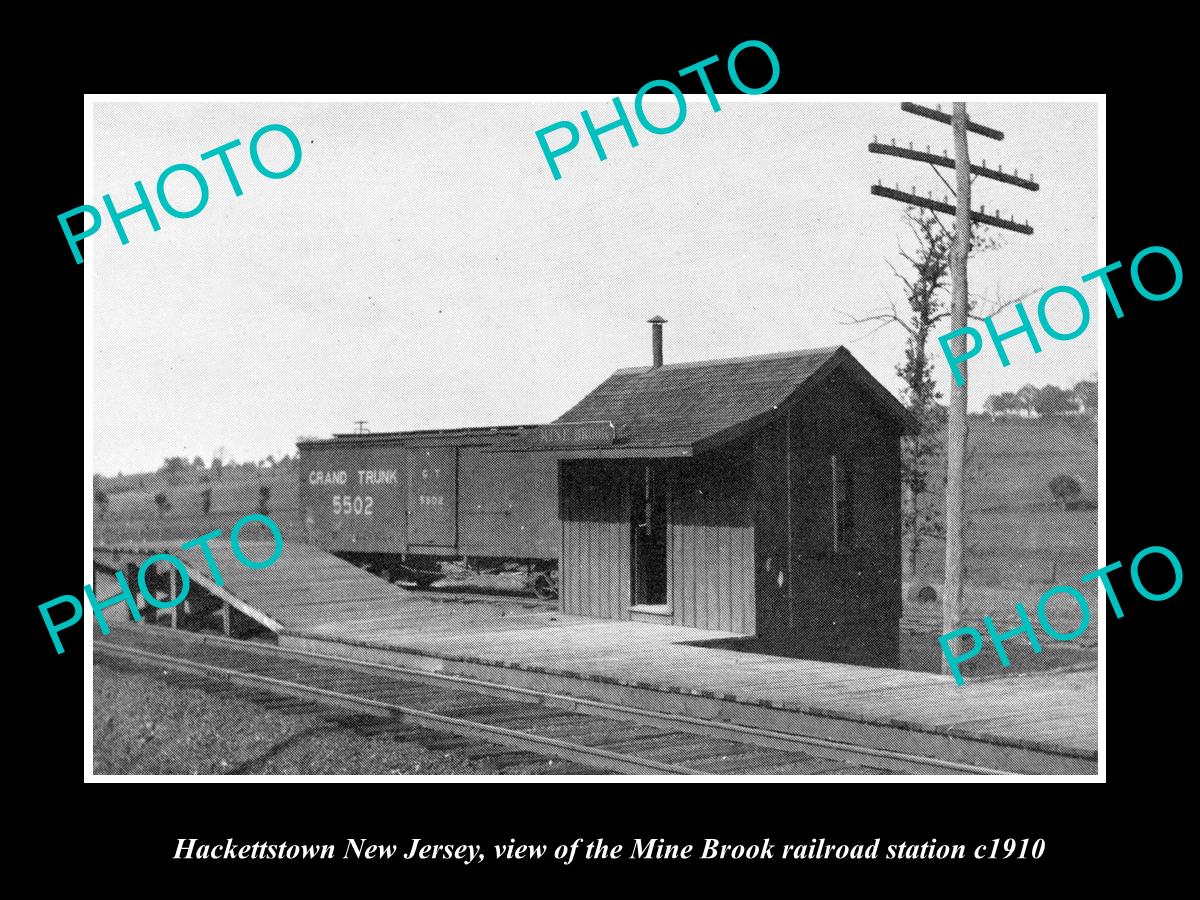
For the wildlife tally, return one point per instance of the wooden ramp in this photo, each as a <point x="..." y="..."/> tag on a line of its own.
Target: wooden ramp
<point x="304" y="588"/>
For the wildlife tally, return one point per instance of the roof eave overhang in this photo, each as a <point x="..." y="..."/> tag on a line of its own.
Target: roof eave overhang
<point x="839" y="359"/>
<point x="617" y="452"/>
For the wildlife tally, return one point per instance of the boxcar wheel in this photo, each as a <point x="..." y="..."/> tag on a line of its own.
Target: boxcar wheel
<point x="545" y="587"/>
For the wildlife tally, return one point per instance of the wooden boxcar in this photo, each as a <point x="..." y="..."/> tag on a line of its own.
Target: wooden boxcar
<point x="406" y="501"/>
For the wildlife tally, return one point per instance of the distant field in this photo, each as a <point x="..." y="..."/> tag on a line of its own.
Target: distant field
<point x="133" y="514"/>
<point x="1013" y="460"/>
<point x="1035" y="545"/>
<point x="1015" y="532"/>
<point x="227" y="496"/>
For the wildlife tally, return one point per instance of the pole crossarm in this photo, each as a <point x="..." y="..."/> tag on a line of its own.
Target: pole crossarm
<point x="936" y="205"/>
<point x="965" y="219"/>
<point x="938" y="116"/>
<point x="948" y="162"/>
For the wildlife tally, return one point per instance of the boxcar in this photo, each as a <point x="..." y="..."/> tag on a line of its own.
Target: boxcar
<point x="404" y="502"/>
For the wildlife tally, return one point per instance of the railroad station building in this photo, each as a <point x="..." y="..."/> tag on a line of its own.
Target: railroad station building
<point x="757" y="495"/>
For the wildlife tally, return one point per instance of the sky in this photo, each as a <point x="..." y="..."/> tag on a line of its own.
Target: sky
<point x="422" y="268"/>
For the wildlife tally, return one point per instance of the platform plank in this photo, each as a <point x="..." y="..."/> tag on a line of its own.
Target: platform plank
<point x="314" y="594"/>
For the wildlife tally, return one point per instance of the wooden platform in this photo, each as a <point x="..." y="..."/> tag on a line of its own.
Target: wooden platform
<point x="1038" y="723"/>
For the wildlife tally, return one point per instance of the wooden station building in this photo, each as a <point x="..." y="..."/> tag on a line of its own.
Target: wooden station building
<point x="758" y="495"/>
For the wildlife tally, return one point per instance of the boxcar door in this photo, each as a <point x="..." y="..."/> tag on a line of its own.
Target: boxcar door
<point x="433" y="496"/>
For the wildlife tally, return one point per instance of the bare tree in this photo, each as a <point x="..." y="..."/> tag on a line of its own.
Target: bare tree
<point x="925" y="277"/>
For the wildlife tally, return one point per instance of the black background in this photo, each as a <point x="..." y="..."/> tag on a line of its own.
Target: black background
<point x="1128" y="821"/>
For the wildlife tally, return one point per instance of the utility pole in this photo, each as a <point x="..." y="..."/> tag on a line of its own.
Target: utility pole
<point x="360" y="426"/>
<point x="956" y="440"/>
<point x="960" y="309"/>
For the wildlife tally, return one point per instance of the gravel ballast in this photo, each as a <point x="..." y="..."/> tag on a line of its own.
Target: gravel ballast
<point x="145" y="725"/>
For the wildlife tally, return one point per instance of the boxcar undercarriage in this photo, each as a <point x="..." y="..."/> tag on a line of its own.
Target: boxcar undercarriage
<point x="537" y="576"/>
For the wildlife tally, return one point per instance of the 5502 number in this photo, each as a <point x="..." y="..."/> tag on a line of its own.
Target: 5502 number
<point x="346" y="505"/>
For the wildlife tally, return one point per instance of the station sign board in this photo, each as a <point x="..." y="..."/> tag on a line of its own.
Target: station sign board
<point x="575" y="434"/>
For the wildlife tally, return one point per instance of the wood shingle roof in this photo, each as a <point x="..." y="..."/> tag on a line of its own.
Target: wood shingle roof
<point x="691" y="407"/>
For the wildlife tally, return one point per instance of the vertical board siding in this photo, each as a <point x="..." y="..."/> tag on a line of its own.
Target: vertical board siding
<point x="568" y="594"/>
<point x="707" y="603"/>
<point x="710" y="541"/>
<point x="604" y="579"/>
<point x="725" y="566"/>
<point x="745" y="576"/>
<point x="592" y="563"/>
<point x="588" y="562"/>
<point x="596" y="533"/>
<point x="691" y="562"/>
<point x="566" y="566"/>
<point x="700" y="557"/>
<point x="711" y="546"/>
<point x="673" y="552"/>
<point x="603" y="558"/>
<point x="624" y="542"/>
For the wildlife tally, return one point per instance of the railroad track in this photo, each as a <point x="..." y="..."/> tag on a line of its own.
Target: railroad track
<point x="591" y="734"/>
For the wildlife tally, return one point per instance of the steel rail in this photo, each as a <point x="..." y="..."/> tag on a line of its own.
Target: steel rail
<point x="590" y="756"/>
<point x="825" y="748"/>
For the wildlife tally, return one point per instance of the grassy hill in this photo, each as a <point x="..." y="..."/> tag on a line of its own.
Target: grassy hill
<point x="1014" y="459"/>
<point x="228" y="496"/>
<point x="133" y="513"/>
<point x="1016" y="533"/>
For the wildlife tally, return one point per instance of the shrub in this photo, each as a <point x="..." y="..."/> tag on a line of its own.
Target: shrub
<point x="1065" y="489"/>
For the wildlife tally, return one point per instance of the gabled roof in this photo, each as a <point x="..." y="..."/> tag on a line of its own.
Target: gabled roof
<point x="687" y="408"/>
